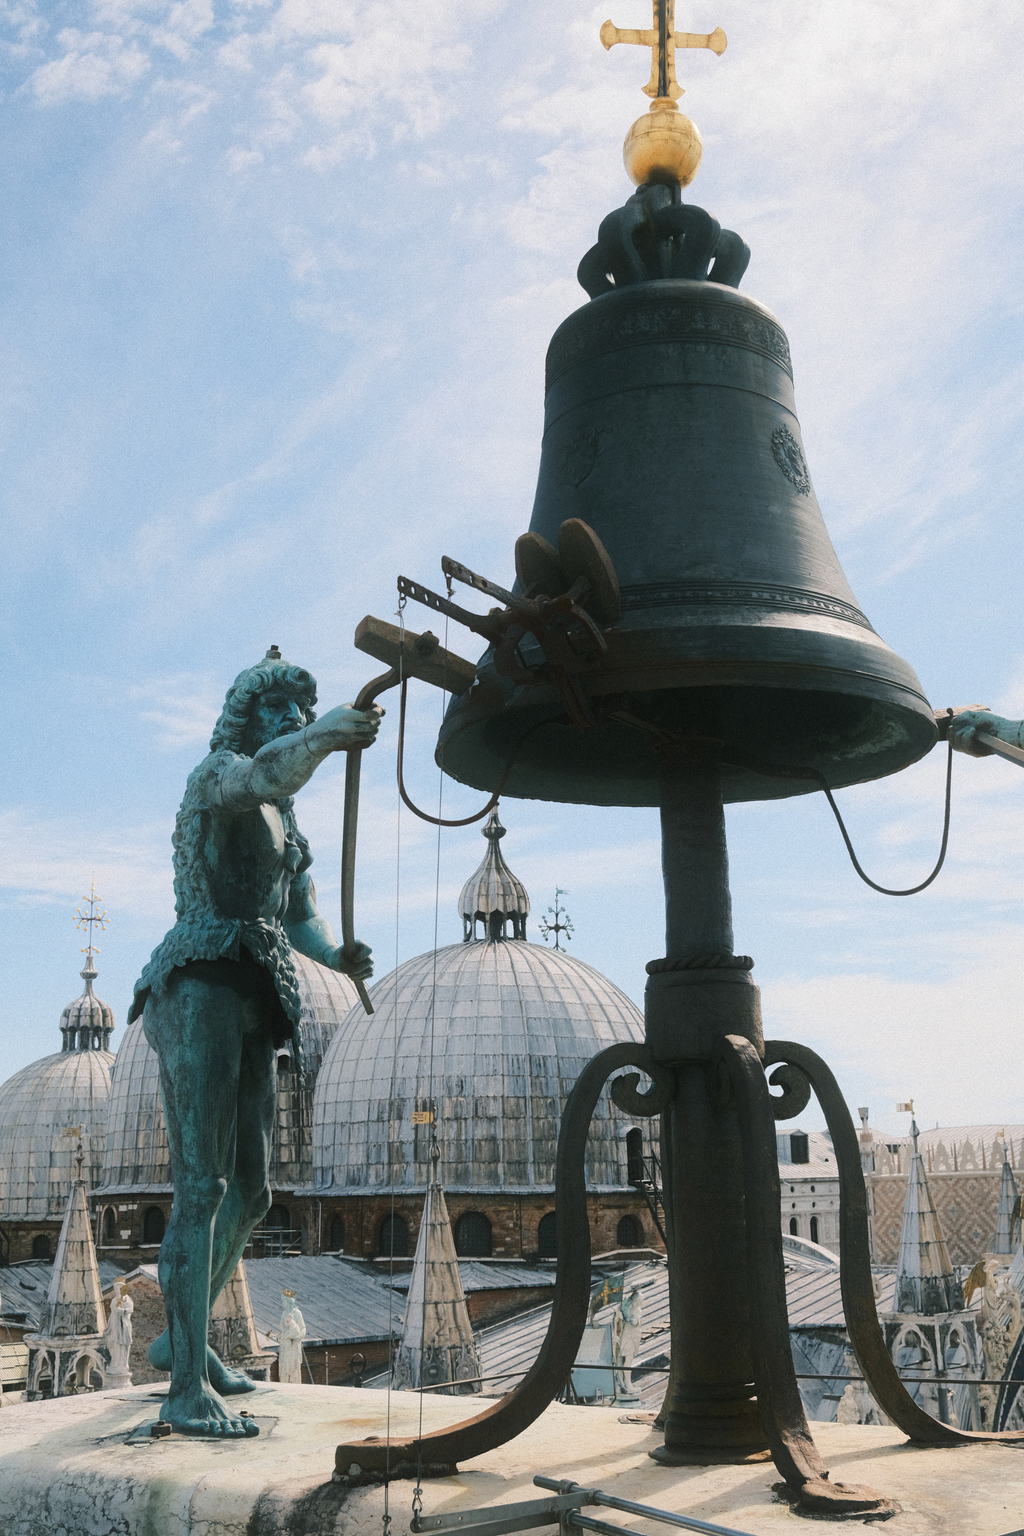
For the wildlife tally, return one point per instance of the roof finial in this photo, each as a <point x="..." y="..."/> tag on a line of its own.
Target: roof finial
<point x="665" y="146"/>
<point x="562" y="921"/>
<point x="87" y="921"/>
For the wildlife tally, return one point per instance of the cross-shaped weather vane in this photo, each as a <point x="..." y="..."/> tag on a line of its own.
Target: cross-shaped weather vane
<point x="88" y="921"/>
<point x="663" y="40"/>
<point x="663" y="146"/>
<point x="561" y="924"/>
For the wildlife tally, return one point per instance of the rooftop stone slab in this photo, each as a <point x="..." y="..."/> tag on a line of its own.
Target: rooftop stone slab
<point x="65" y="1467"/>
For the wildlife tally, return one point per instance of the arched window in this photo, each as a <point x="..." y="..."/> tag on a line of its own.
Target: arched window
<point x="814" y="1229"/>
<point x="547" y="1236"/>
<point x="41" y="1246"/>
<point x="278" y="1217"/>
<point x="394" y="1238"/>
<point x="629" y="1233"/>
<point x="473" y="1236"/>
<point x="337" y="1238"/>
<point x="794" y="1230"/>
<point x="109" y="1224"/>
<point x="153" y="1225"/>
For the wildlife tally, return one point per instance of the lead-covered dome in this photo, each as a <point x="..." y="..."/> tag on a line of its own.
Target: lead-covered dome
<point x="509" y="1025"/>
<point x="137" y="1159"/>
<point x="48" y="1106"/>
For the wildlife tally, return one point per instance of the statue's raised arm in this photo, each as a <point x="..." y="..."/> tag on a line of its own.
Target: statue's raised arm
<point x="967" y="725"/>
<point x="220" y="995"/>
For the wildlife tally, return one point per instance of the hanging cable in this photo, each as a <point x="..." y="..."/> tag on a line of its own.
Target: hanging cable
<point x="913" y="889"/>
<point x="465" y="821"/>
<point x="740" y="759"/>
<point x="386" y="1517"/>
<point x="435" y="1148"/>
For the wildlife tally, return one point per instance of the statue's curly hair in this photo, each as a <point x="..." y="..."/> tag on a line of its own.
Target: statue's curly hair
<point x="229" y="732"/>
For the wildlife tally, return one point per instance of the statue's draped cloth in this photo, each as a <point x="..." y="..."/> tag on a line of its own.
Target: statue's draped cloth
<point x="201" y="931"/>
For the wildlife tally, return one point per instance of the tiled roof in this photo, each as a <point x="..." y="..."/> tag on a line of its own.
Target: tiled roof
<point x="341" y="1302"/>
<point x="24" y="1287"/>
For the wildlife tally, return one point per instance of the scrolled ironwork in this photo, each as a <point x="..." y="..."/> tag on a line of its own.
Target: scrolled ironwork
<point x="796" y="1091"/>
<point x="858" y="1292"/>
<point x="778" y="1396"/>
<point x="626" y="1096"/>
<point x="437" y="1454"/>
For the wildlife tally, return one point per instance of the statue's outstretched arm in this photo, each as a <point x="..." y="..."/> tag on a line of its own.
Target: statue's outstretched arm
<point x="967" y="723"/>
<point x="310" y="933"/>
<point x="282" y="767"/>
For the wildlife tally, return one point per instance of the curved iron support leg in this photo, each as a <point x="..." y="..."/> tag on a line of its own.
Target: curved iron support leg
<point x="855" y="1266"/>
<point x="436" y="1454"/>
<point x="778" y="1396"/>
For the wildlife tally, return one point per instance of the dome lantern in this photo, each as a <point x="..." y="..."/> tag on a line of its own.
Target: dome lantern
<point x="493" y="896"/>
<point x="87" y="1024"/>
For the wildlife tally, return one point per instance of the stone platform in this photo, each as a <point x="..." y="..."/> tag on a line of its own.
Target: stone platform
<point x="80" y="1468"/>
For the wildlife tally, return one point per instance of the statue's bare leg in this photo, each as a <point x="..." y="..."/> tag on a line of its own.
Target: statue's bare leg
<point x="201" y="1028"/>
<point x="245" y="1202"/>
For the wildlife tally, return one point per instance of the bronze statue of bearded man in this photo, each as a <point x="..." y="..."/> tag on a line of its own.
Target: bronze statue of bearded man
<point x="220" y="995"/>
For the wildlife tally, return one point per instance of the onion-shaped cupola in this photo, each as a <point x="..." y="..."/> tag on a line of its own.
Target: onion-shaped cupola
<point x="493" y="896"/>
<point x="87" y="1024"/>
<point x="55" y="1103"/>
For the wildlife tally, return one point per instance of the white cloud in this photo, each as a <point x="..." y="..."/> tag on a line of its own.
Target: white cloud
<point x="182" y="707"/>
<point x="92" y="65"/>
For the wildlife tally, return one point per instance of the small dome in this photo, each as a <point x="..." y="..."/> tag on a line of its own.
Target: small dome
<point x="87" y="1024"/>
<point x="496" y="1031"/>
<point x="47" y="1106"/>
<point x="137" y="1158"/>
<point x="493" y="896"/>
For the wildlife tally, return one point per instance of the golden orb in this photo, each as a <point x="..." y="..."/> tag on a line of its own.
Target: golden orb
<point x="663" y="145"/>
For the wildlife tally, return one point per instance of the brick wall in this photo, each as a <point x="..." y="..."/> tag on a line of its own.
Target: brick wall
<point x="514" y="1220"/>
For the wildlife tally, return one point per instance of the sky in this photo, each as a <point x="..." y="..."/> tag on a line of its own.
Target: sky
<point x="277" y="278"/>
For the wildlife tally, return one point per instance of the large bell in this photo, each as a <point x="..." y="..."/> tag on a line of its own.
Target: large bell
<point x="670" y="428"/>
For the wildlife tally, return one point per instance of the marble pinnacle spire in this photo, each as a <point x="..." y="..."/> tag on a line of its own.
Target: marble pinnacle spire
<point x="437" y="1343"/>
<point x="925" y="1281"/>
<point x="1007" y="1201"/>
<point x="74" y="1302"/>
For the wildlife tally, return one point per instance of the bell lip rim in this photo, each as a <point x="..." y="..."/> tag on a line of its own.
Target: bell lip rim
<point x="451" y="752"/>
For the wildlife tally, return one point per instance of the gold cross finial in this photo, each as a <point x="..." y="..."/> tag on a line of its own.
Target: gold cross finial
<point x="87" y="921"/>
<point x="663" y="40"/>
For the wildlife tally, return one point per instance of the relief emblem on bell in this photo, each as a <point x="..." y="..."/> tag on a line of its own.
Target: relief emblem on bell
<point x="789" y="456"/>
<point x="580" y="455"/>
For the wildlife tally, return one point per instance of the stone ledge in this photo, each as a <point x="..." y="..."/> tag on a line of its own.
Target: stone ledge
<point x="66" y="1470"/>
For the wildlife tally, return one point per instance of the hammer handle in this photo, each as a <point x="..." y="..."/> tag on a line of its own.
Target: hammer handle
<point x="1002" y="748"/>
<point x="353" y="769"/>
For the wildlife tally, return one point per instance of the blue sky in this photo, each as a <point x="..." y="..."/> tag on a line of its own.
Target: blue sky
<point x="276" y="285"/>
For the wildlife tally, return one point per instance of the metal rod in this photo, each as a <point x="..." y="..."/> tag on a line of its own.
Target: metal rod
<point x="1001" y="748"/>
<point x="629" y="1507"/>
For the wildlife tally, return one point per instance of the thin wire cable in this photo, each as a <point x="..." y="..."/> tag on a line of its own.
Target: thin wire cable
<point x="740" y="759"/>
<point x="435" y="1146"/>
<point x="386" y="1517"/>
<point x="913" y="889"/>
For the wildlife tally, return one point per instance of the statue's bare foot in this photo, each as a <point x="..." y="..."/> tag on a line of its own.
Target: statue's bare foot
<point x="222" y="1378"/>
<point x="225" y="1380"/>
<point x="202" y="1413"/>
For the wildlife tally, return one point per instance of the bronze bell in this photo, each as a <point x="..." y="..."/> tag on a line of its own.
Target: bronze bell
<point x="671" y="430"/>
